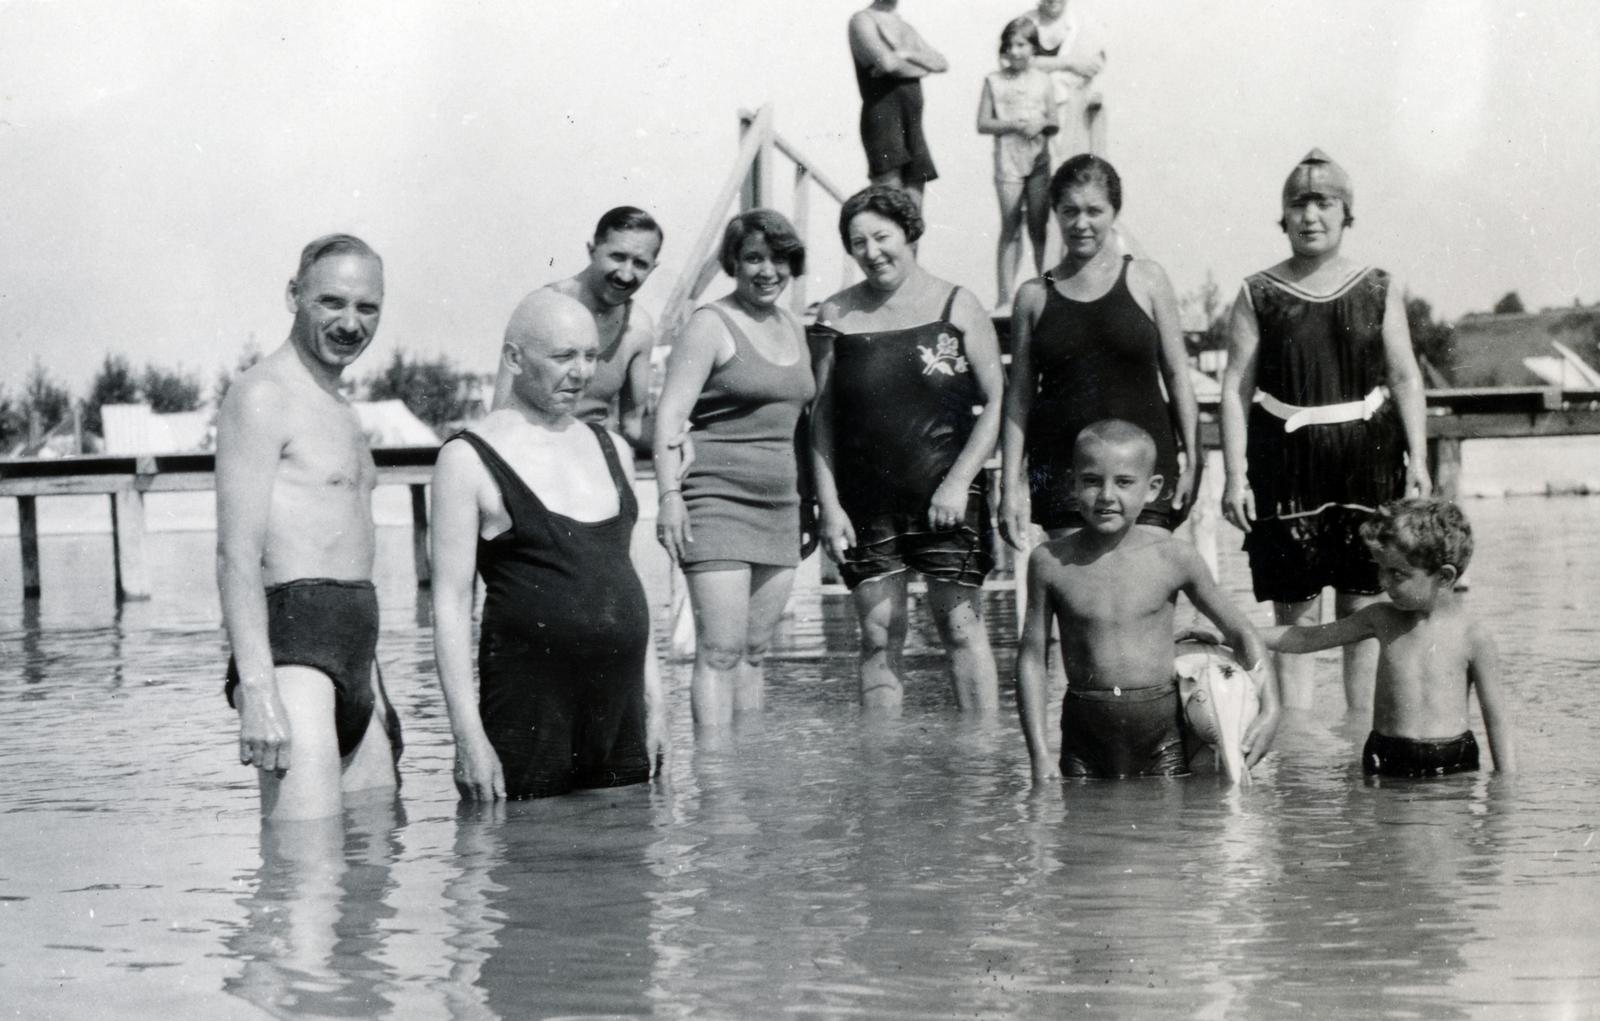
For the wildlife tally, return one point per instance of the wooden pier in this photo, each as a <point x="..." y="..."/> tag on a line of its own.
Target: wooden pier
<point x="1454" y="416"/>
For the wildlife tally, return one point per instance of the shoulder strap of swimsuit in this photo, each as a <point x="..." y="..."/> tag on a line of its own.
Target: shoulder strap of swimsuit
<point x="950" y="304"/>
<point x="739" y="338"/>
<point x="619" y="478"/>
<point x="505" y="477"/>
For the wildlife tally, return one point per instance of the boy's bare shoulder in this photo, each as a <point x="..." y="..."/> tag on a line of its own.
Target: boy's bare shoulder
<point x="1480" y="640"/>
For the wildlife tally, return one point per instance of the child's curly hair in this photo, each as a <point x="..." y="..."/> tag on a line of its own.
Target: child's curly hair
<point x="1429" y="533"/>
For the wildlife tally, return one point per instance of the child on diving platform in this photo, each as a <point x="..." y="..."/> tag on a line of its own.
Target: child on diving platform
<point x="1432" y="654"/>
<point x="1113" y="586"/>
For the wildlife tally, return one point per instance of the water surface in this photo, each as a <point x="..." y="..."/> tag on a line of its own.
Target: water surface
<point x="816" y="865"/>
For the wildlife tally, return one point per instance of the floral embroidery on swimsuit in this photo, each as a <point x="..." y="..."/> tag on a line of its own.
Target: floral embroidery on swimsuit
<point x="947" y="359"/>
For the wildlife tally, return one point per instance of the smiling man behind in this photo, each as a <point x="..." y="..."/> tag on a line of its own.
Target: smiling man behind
<point x="295" y="542"/>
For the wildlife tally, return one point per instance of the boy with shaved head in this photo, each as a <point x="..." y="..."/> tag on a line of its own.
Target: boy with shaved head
<point x="1112" y="589"/>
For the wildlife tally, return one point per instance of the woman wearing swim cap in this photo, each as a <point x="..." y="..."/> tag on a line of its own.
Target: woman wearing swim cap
<point x="1323" y="421"/>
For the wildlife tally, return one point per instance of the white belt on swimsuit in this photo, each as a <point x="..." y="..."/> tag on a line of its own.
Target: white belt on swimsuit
<point x="1323" y="414"/>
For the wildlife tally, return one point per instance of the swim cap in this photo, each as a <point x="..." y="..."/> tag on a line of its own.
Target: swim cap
<point x="1317" y="174"/>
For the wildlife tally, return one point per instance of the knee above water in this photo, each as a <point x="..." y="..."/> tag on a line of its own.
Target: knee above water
<point x="720" y="657"/>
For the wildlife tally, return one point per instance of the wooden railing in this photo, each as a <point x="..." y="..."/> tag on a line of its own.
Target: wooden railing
<point x="751" y="182"/>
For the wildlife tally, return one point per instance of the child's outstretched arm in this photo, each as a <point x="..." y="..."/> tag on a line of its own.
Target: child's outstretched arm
<point x="1239" y="633"/>
<point x="1031" y="652"/>
<point x="1483" y="671"/>
<point x="1357" y="627"/>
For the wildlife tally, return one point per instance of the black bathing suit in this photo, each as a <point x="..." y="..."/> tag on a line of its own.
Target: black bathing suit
<point x="1412" y="757"/>
<point x="332" y="626"/>
<point x="565" y="631"/>
<point x="903" y="405"/>
<point x="1123" y="732"/>
<point x="891" y="127"/>
<point x="1095" y="360"/>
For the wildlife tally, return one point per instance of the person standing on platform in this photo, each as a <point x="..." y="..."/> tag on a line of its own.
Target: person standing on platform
<point x="1072" y="50"/>
<point x="622" y="255"/>
<point x="891" y="60"/>
<point x="741" y="373"/>
<point x="1018" y="108"/>
<point x="542" y="506"/>
<point x="1323" y="421"/>
<point x="295" y="545"/>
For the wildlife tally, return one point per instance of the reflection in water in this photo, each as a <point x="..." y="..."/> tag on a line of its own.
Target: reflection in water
<point x="817" y="864"/>
<point x="551" y="906"/>
<point x="316" y="915"/>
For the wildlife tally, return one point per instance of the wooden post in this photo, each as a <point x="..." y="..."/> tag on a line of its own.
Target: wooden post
<point x="127" y="545"/>
<point x="28" y="531"/>
<point x="1444" y="465"/>
<point x="756" y="191"/>
<point x="1095" y="113"/>
<point x="802" y="213"/>
<point x="419" y="534"/>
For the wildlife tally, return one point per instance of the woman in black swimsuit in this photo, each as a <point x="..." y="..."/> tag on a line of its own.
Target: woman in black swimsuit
<point x="903" y="359"/>
<point x="1098" y="337"/>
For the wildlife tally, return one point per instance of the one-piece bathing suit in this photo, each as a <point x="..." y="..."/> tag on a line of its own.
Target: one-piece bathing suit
<point x="742" y="492"/>
<point x="903" y="410"/>
<point x="1095" y="360"/>
<point x="564" y="635"/>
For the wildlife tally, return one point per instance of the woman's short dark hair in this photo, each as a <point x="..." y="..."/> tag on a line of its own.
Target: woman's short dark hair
<point x="1026" y="28"/>
<point x="779" y="233"/>
<point x="1086" y="168"/>
<point x="627" y="218"/>
<point x="889" y="203"/>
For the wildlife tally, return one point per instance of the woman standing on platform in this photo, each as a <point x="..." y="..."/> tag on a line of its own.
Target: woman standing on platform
<point x="1323" y="421"/>
<point x="740" y="374"/>
<point x="908" y="407"/>
<point x="1098" y="337"/>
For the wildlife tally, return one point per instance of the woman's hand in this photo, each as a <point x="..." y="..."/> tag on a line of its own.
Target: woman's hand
<point x="836" y="533"/>
<point x="1187" y="486"/>
<point x="478" y="774"/>
<point x="1015" y="526"/>
<point x="672" y="525"/>
<point x="948" y="508"/>
<point x="1238" y="504"/>
<point x="1418" y="482"/>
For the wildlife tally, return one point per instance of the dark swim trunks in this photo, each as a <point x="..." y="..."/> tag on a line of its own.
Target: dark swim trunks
<point x="1123" y="732"/>
<point x="331" y="626"/>
<point x="1293" y="559"/>
<point x="890" y="543"/>
<point x="1411" y="757"/>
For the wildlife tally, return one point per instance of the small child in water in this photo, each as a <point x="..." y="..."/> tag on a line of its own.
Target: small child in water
<point x="1113" y="586"/>
<point x="1431" y="653"/>
<point x="1018" y="108"/>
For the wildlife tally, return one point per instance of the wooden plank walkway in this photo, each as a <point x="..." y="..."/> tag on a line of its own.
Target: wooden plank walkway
<point x="1454" y="416"/>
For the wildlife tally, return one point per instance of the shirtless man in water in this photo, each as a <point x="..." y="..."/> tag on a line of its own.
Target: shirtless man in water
<point x="295" y="548"/>
<point x="622" y="256"/>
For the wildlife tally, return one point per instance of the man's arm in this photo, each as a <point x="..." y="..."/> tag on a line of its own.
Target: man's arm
<point x="1208" y="598"/>
<point x="1238" y="393"/>
<point x="871" y="50"/>
<point x="633" y="403"/>
<point x="657" y="745"/>
<point x="1405" y="382"/>
<point x="1031" y="657"/>
<point x="458" y="482"/>
<point x="251" y="437"/>
<point x="1483" y="671"/>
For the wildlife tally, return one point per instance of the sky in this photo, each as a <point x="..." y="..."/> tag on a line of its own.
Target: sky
<point x="162" y="163"/>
